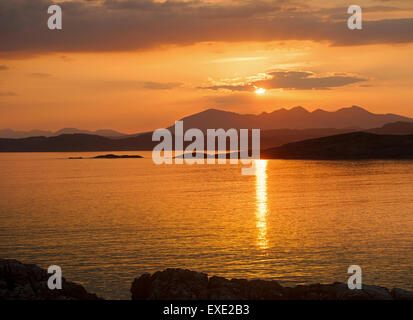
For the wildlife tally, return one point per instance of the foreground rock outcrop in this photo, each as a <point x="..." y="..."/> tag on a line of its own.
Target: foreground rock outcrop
<point x="20" y="281"/>
<point x="179" y="284"/>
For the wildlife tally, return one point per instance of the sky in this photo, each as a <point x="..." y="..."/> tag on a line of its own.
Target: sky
<point x="140" y="65"/>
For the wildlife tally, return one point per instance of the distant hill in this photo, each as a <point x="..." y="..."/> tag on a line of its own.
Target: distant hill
<point x="298" y="118"/>
<point x="76" y="143"/>
<point x="355" y="145"/>
<point x="399" y="128"/>
<point x="12" y="134"/>
<point x="295" y="118"/>
<point x="103" y="133"/>
<point x="87" y="142"/>
<point x="143" y="141"/>
<point x="278" y="137"/>
<point x="72" y="139"/>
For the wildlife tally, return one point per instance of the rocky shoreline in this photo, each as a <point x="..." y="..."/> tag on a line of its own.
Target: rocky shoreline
<point x="179" y="284"/>
<point x="20" y="281"/>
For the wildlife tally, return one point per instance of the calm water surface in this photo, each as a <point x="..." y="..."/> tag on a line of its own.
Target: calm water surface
<point x="107" y="221"/>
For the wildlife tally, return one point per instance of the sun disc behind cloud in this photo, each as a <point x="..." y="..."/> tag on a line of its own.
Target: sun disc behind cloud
<point x="260" y="91"/>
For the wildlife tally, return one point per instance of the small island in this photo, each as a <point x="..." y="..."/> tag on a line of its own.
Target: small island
<point x="109" y="156"/>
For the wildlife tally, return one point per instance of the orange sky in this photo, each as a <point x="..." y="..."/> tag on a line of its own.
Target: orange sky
<point x="132" y="81"/>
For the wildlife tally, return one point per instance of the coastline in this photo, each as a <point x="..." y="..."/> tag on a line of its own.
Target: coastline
<point x="19" y="281"/>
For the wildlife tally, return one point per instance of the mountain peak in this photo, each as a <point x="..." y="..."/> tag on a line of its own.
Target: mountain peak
<point x="294" y="118"/>
<point x="210" y="110"/>
<point x="299" y="109"/>
<point x="353" y="109"/>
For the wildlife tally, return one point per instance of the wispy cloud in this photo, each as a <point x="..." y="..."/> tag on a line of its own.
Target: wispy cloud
<point x="132" y="85"/>
<point x="7" y="94"/>
<point x="238" y="59"/>
<point x="40" y="75"/>
<point x="160" y="85"/>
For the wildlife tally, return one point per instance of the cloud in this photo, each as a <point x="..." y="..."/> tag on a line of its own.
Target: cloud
<point x="237" y="59"/>
<point x="160" y="85"/>
<point x="132" y="85"/>
<point x="246" y="87"/>
<point x="7" y="94"/>
<point x="306" y="80"/>
<point x="121" y="25"/>
<point x="40" y="75"/>
<point x="3" y="68"/>
<point x="292" y="80"/>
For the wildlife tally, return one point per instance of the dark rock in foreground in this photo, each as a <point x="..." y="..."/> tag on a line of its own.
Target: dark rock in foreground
<point x="20" y="281"/>
<point x="179" y="284"/>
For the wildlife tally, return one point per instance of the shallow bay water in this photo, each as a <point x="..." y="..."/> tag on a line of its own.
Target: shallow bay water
<point x="106" y="221"/>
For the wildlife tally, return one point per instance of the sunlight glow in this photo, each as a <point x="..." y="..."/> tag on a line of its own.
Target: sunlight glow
<point x="260" y="91"/>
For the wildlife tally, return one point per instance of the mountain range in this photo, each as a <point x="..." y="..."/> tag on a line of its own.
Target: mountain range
<point x="296" y="118"/>
<point x="12" y="134"/>
<point x="294" y="129"/>
<point x="87" y="142"/>
<point x="352" y="118"/>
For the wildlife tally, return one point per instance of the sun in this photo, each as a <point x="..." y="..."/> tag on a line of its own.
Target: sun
<point x="260" y="91"/>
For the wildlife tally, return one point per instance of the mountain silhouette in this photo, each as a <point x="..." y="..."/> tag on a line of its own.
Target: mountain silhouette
<point x="349" y="146"/>
<point x="104" y="133"/>
<point x="399" y="128"/>
<point x="86" y="142"/>
<point x="295" y="118"/>
<point x="12" y="134"/>
<point x="347" y="120"/>
<point x="76" y="143"/>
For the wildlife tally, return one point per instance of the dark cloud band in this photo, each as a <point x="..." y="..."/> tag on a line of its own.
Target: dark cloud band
<point x="115" y="25"/>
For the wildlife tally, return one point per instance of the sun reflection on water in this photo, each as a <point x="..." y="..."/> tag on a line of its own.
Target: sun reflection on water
<point x="261" y="202"/>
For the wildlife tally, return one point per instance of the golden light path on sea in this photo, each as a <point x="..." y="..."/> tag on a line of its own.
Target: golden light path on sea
<point x="261" y="202"/>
